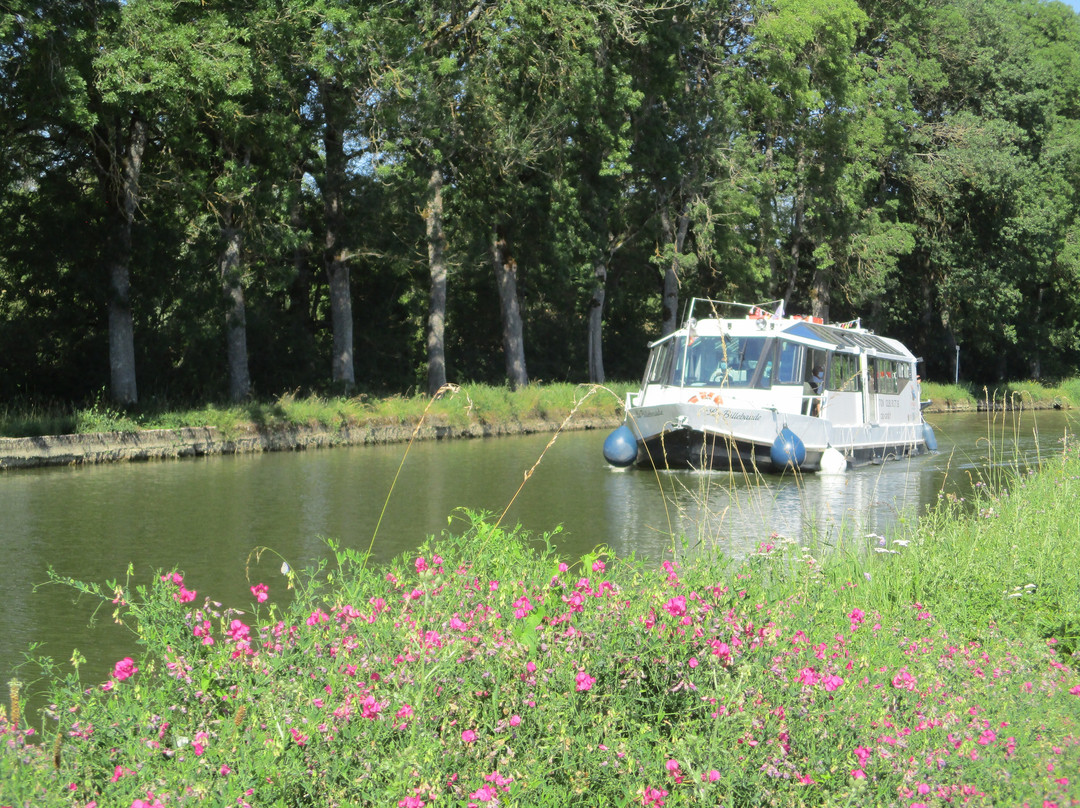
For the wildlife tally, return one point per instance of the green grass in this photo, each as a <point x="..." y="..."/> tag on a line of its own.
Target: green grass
<point x="1011" y="395"/>
<point x="456" y="407"/>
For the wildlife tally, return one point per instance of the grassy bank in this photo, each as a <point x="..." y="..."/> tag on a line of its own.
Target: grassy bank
<point x="1012" y="395"/>
<point x="456" y="406"/>
<point x="482" y="669"/>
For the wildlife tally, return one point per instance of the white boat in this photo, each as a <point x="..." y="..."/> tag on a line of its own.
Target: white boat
<point x="746" y="388"/>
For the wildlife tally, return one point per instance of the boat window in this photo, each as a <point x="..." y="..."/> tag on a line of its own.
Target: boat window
<point x="726" y="361"/>
<point x="789" y="363"/>
<point x="889" y="377"/>
<point x="844" y="373"/>
<point x="660" y="361"/>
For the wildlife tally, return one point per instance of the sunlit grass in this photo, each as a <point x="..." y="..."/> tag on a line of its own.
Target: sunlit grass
<point x="470" y="405"/>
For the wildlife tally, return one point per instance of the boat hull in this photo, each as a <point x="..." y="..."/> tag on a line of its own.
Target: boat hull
<point x="681" y="436"/>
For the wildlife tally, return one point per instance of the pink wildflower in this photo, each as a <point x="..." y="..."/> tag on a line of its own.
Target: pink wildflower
<point x="832" y="682"/>
<point x="598" y="566"/>
<point x="261" y="592"/>
<point x="124" y="669"/>
<point x="300" y="738"/>
<point x="411" y="802"/>
<point x="904" y="680"/>
<point x="370" y="708"/>
<point x="522" y="606"/>
<point x="857" y="617"/>
<point x="486" y="794"/>
<point x="468" y="736"/>
<point x="653" y="797"/>
<point x="807" y="676"/>
<point x="858" y="774"/>
<point x="238" y="632"/>
<point x="584" y="681"/>
<point x="676" y="607"/>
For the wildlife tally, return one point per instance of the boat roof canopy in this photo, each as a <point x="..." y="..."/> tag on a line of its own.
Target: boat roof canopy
<point x="846" y="339"/>
<point x="817" y="335"/>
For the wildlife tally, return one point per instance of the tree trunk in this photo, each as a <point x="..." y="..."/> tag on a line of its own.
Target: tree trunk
<point x="675" y="237"/>
<point x="125" y="184"/>
<point x="334" y="258"/>
<point x="513" y="339"/>
<point x="821" y="293"/>
<point x="235" y="317"/>
<point x="596" y="319"/>
<point x="436" y="244"/>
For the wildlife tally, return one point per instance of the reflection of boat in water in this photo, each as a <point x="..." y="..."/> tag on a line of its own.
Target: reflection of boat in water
<point x="759" y="390"/>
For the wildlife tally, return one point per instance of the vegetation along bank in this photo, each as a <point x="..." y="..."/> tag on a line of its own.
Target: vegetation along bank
<point x="102" y="434"/>
<point x="481" y="669"/>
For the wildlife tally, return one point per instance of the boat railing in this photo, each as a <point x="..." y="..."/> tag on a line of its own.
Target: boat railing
<point x="812" y="403"/>
<point x="728" y="309"/>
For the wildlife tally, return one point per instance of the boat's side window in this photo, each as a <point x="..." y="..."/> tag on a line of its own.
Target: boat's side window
<point x="888" y="376"/>
<point x="844" y="373"/>
<point x="789" y="363"/>
<point x="660" y="363"/>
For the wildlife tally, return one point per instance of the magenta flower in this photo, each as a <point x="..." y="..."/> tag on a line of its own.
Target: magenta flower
<point x="370" y="708"/>
<point x="832" y="682"/>
<point x="411" y="802"/>
<point x="522" y="606"/>
<point x="807" y="676"/>
<point x="486" y="794"/>
<point x="238" y="632"/>
<point x="904" y="680"/>
<point x="584" y="681"/>
<point x="857" y="616"/>
<point x="124" y="669"/>
<point x="676" y="607"/>
<point x="261" y="592"/>
<point x="653" y="797"/>
<point x="598" y="566"/>
<point x="468" y="736"/>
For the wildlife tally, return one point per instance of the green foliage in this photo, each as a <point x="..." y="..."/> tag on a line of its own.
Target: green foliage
<point x="916" y="164"/>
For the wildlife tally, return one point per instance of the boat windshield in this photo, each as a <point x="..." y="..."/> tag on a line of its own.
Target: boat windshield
<point x="724" y="361"/>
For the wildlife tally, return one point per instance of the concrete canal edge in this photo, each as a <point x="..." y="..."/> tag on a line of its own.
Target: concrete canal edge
<point x="161" y="444"/>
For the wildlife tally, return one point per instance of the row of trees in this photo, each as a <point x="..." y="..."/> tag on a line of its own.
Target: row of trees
<point x="204" y="197"/>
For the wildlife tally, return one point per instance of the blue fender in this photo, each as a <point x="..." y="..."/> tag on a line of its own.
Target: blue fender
<point x="787" y="450"/>
<point x="620" y="447"/>
<point x="928" y="437"/>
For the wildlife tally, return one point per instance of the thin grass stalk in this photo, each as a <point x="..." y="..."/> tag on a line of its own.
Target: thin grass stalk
<point x="446" y="388"/>
<point x="577" y="405"/>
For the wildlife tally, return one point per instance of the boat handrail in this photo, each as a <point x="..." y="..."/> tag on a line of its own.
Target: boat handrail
<point x="771" y="308"/>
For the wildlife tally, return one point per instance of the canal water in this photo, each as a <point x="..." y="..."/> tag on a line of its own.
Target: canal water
<point x="204" y="517"/>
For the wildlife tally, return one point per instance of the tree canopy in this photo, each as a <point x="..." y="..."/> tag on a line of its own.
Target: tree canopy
<point x="217" y="199"/>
